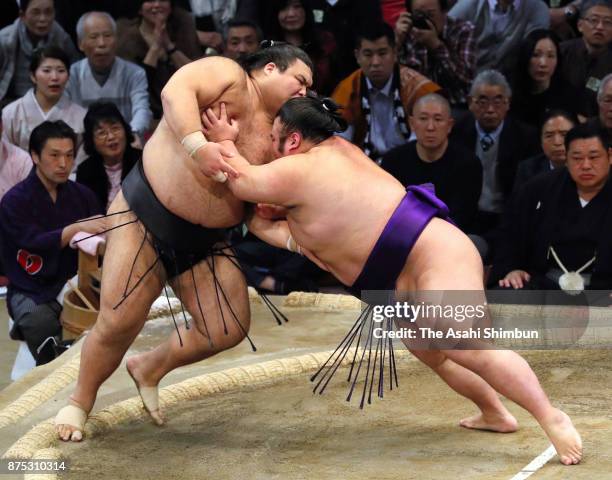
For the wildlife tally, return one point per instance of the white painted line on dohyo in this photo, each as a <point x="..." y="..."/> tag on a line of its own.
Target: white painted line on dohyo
<point x="536" y="464"/>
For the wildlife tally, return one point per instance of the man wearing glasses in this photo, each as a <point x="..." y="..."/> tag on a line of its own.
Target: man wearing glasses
<point x="587" y="60"/>
<point x="604" y="102"/>
<point x="500" y="143"/>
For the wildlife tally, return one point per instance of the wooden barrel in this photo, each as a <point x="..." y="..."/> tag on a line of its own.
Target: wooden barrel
<point x="76" y="317"/>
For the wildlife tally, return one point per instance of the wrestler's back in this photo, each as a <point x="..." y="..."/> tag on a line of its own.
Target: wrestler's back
<point x="176" y="178"/>
<point x="343" y="238"/>
<point x="347" y="202"/>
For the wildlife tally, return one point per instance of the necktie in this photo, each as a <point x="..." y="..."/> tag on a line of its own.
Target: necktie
<point x="486" y="142"/>
<point x="504" y="9"/>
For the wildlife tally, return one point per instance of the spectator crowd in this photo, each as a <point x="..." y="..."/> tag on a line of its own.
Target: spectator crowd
<point x="505" y="106"/>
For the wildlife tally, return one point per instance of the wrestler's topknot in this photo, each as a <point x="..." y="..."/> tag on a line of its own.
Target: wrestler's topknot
<point x="281" y="54"/>
<point x="316" y="118"/>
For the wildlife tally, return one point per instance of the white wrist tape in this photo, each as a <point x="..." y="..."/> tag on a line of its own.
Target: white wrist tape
<point x="193" y="142"/>
<point x="290" y="245"/>
<point x="220" y="177"/>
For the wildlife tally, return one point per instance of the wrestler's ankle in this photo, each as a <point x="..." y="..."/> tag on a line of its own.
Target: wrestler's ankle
<point x="79" y="403"/>
<point x="144" y="371"/>
<point x="547" y="414"/>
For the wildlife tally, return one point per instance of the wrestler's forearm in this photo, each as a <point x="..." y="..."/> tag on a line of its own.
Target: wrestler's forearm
<point x="231" y="146"/>
<point x="250" y="184"/>
<point x="273" y="232"/>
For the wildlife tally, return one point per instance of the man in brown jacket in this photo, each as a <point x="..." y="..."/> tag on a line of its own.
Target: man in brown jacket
<point x="378" y="97"/>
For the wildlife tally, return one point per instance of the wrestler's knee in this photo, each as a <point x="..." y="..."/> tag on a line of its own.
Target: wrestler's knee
<point x="432" y="358"/>
<point x="115" y="328"/>
<point x="479" y="360"/>
<point x="235" y="334"/>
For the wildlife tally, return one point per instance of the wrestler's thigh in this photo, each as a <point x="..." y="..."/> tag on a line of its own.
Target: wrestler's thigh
<point x="224" y="306"/>
<point x="449" y="293"/>
<point x="127" y="258"/>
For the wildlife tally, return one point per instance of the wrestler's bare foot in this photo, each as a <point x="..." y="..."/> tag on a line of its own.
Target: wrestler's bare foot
<point x="70" y="422"/>
<point x="502" y="422"/>
<point x="564" y="437"/>
<point x="146" y="390"/>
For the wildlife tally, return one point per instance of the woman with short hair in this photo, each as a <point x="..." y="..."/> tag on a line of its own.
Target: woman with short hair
<point x="107" y="141"/>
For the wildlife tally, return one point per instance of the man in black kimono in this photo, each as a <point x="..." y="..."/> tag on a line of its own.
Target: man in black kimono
<point x="561" y="221"/>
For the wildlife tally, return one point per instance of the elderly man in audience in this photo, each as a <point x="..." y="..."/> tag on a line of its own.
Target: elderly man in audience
<point x="561" y="221"/>
<point x="378" y="97"/>
<point x="34" y="28"/>
<point x="440" y="47"/>
<point x="454" y="170"/>
<point x="604" y="102"/>
<point x="104" y="76"/>
<point x="501" y="25"/>
<point x="499" y="141"/>
<point x="589" y="58"/>
<point x="68" y="12"/>
<point x="37" y="221"/>
<point x="241" y="37"/>
<point x="45" y="101"/>
<point x="555" y="126"/>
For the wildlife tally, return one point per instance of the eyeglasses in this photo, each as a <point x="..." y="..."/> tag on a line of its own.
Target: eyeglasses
<point x="594" y="21"/>
<point x="103" y="133"/>
<point x="484" y="102"/>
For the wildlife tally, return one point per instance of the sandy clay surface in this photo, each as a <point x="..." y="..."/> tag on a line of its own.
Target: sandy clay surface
<point x="283" y="431"/>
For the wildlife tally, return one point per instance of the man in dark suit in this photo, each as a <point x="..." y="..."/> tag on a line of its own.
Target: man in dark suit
<point x="604" y="102"/>
<point x="555" y="126"/>
<point x="499" y="141"/>
<point x="561" y="221"/>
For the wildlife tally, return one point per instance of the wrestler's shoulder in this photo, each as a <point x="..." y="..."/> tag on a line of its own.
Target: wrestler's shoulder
<point x="218" y="64"/>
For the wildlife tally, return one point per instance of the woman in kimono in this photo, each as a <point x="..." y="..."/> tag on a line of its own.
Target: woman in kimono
<point x="49" y="71"/>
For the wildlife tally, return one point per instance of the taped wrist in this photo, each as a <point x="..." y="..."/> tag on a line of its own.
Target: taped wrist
<point x="193" y="142"/>
<point x="292" y="245"/>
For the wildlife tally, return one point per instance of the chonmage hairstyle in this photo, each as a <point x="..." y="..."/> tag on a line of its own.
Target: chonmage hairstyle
<point x="280" y="54"/>
<point x="316" y="118"/>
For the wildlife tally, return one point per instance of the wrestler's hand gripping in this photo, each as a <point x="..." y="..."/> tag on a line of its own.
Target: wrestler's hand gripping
<point x="209" y="154"/>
